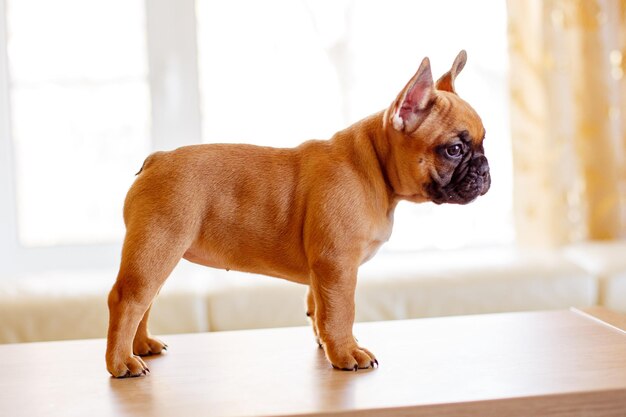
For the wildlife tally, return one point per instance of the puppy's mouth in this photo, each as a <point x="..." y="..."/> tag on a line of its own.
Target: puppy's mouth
<point x="468" y="182"/>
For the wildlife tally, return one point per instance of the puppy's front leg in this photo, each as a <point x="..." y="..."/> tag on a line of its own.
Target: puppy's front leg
<point x="310" y="313"/>
<point x="333" y="288"/>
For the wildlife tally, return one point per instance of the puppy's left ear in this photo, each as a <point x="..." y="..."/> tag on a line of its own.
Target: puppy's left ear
<point x="410" y="106"/>
<point x="446" y="82"/>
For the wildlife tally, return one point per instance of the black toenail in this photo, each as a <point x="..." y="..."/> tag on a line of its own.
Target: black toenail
<point x="356" y="368"/>
<point x="376" y="362"/>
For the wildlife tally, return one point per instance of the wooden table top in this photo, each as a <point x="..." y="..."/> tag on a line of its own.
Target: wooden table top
<point x="563" y="363"/>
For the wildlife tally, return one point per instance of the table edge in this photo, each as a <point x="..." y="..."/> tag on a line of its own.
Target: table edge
<point x="600" y="403"/>
<point x="603" y="315"/>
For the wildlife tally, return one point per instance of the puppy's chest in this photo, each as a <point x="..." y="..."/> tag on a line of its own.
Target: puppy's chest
<point x="380" y="234"/>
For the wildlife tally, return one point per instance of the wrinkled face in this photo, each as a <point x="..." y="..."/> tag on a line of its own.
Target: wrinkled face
<point x="458" y="170"/>
<point x="443" y="159"/>
<point x="436" y="141"/>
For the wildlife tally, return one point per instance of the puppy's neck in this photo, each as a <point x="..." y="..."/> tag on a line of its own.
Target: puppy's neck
<point x="367" y="143"/>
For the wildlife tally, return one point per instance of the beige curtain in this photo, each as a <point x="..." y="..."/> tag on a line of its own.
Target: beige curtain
<point x="568" y="116"/>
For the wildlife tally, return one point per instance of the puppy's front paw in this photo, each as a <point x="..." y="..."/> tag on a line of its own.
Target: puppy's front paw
<point x="350" y="357"/>
<point x="148" y="346"/>
<point x="129" y="367"/>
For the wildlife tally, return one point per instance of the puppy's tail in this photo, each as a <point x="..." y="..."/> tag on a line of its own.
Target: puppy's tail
<point x="148" y="161"/>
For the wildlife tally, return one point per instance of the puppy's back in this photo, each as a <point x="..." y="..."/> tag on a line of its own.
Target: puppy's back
<point x="231" y="199"/>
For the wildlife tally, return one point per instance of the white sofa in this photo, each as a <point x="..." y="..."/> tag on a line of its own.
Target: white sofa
<point x="606" y="261"/>
<point x="58" y="305"/>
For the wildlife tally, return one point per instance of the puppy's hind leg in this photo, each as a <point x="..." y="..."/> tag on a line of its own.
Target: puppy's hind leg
<point x="148" y="257"/>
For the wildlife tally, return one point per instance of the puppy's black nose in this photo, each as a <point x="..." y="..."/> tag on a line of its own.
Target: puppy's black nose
<point x="484" y="169"/>
<point x="481" y="165"/>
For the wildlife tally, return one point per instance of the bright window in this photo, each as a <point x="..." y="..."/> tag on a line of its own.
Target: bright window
<point x="79" y="114"/>
<point x="279" y="72"/>
<point x="94" y="86"/>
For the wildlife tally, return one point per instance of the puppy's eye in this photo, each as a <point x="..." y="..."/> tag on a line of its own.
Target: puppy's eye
<point x="454" y="151"/>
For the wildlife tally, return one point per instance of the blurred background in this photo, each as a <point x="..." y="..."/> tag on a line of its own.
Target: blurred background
<point x="89" y="88"/>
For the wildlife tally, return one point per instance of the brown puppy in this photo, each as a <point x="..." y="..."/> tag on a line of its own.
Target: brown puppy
<point x="311" y="214"/>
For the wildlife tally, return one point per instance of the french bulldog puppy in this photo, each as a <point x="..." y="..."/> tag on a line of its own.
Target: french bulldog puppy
<point x="310" y="214"/>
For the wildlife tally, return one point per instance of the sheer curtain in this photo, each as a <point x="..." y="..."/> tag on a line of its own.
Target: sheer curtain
<point x="568" y="114"/>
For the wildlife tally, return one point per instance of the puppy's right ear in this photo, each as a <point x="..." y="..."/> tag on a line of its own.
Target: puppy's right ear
<point x="446" y="82"/>
<point x="415" y="98"/>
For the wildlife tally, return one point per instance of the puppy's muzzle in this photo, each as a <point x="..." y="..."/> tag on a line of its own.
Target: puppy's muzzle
<point x="466" y="185"/>
<point x="482" y="173"/>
